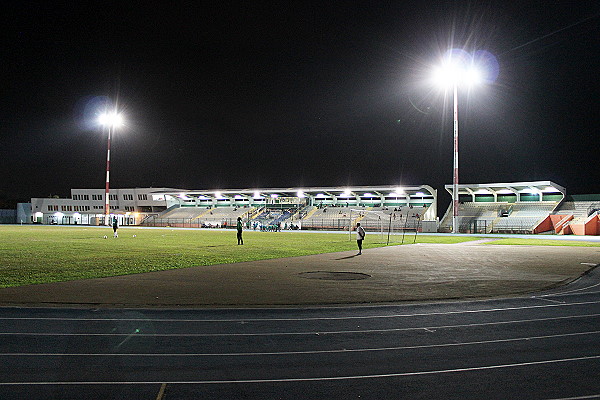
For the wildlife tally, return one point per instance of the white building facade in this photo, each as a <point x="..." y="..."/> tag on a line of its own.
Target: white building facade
<point x="86" y="206"/>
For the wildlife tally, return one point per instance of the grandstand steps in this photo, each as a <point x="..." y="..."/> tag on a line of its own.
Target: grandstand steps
<point x="570" y="225"/>
<point x="255" y="212"/>
<point x="586" y="226"/>
<point x="361" y="216"/>
<point x="203" y="214"/>
<point x="311" y="212"/>
<point x="554" y="223"/>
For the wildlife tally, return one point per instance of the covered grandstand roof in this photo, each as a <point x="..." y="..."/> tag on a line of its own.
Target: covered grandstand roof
<point x="507" y="188"/>
<point x="339" y="191"/>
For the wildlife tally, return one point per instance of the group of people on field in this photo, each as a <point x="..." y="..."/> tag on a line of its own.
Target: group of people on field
<point x="360" y="234"/>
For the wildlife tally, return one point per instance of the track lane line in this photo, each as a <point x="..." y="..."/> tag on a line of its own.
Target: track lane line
<point x="137" y="334"/>
<point x="313" y="379"/>
<point x="284" y="353"/>
<point x="349" y="317"/>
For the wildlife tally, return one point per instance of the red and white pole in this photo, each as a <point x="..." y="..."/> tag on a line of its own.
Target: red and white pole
<point x="106" y="193"/>
<point x="455" y="181"/>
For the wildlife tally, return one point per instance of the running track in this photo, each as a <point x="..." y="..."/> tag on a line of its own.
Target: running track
<point x="544" y="346"/>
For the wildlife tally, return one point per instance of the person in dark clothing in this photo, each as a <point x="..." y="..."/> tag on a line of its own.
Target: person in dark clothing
<point x="360" y="236"/>
<point x="115" y="226"/>
<point x="239" y="230"/>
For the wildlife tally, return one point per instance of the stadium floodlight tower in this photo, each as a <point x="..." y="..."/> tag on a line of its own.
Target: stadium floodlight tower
<point x="110" y="120"/>
<point x="456" y="70"/>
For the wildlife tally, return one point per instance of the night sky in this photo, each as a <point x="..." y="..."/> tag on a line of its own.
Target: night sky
<point x="221" y="95"/>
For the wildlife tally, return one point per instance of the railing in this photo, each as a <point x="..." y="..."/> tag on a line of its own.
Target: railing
<point x="344" y="224"/>
<point x="593" y="208"/>
<point x="193" y="222"/>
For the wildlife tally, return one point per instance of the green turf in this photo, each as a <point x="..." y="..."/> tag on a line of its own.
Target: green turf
<point x="40" y="254"/>
<point x="544" y="242"/>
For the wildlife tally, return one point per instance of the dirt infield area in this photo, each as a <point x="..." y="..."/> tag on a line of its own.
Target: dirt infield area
<point x="419" y="272"/>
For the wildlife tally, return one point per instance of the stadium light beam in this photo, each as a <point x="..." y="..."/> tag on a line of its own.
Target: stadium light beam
<point x="111" y="120"/>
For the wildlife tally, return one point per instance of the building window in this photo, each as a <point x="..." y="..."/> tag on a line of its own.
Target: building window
<point x="129" y="208"/>
<point x="97" y="197"/>
<point x="113" y="197"/>
<point x="142" y="197"/>
<point x="127" y="197"/>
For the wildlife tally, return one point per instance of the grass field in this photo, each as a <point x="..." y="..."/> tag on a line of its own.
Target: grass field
<point x="41" y="254"/>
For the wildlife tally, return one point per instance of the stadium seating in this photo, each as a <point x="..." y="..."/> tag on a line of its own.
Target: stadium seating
<point x="200" y="217"/>
<point x="519" y="217"/>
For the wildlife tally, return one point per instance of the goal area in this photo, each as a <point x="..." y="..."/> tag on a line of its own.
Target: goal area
<point x="387" y="225"/>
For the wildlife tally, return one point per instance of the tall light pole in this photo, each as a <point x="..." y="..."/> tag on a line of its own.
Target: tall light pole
<point x="455" y="176"/>
<point x="111" y="120"/>
<point x="454" y="72"/>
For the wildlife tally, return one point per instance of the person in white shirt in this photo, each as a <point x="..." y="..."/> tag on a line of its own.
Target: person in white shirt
<point x="360" y="236"/>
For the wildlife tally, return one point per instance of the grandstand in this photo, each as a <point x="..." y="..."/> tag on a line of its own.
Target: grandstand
<point x="312" y="208"/>
<point x="503" y="207"/>
<point x="519" y="207"/>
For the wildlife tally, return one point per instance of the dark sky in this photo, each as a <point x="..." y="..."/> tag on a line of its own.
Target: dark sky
<point x="290" y="94"/>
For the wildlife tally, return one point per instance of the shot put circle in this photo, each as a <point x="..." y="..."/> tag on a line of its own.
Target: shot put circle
<point x="334" y="276"/>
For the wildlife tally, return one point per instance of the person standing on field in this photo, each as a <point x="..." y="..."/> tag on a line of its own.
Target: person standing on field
<point x="115" y="226"/>
<point x="360" y="236"/>
<point x="239" y="230"/>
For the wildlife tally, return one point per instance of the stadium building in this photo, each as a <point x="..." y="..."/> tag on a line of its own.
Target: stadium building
<point x="296" y="208"/>
<point x="519" y="207"/>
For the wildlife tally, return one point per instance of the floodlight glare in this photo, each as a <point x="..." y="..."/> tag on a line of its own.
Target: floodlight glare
<point x="111" y="119"/>
<point x="445" y="76"/>
<point x="472" y="76"/>
<point x="449" y="74"/>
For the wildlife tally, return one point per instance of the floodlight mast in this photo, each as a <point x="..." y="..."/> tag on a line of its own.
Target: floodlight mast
<point x="112" y="121"/>
<point x="451" y="72"/>
<point x="455" y="177"/>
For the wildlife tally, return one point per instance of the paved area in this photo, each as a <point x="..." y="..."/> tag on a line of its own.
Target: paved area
<point x="391" y="274"/>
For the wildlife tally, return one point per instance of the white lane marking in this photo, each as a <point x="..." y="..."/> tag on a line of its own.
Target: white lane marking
<point x="325" y="378"/>
<point x="286" y="353"/>
<point x="419" y="328"/>
<point x="171" y="320"/>
<point x="563" y="293"/>
<point x="592" y="396"/>
<point x="550" y="300"/>
<point x="570" y="291"/>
